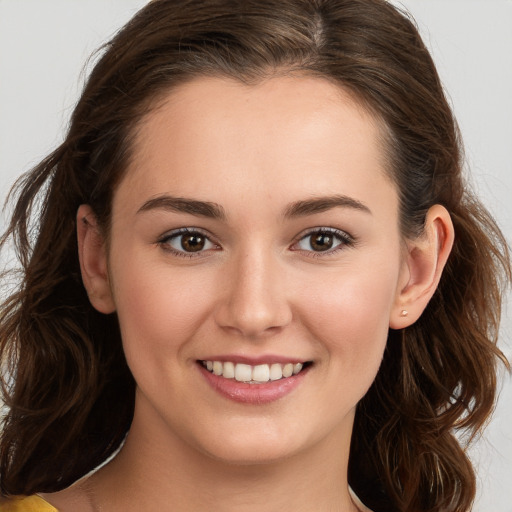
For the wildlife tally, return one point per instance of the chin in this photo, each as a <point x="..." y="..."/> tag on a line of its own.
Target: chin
<point x="244" y="452"/>
<point x="251" y="458"/>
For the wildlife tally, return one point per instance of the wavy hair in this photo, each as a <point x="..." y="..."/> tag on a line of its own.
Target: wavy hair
<point x="69" y="392"/>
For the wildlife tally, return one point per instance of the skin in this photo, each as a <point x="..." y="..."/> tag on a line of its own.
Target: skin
<point x="258" y="288"/>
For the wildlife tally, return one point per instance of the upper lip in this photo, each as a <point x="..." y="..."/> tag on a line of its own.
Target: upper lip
<point x="255" y="360"/>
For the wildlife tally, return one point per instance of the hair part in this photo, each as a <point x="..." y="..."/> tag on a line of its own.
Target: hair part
<point x="68" y="388"/>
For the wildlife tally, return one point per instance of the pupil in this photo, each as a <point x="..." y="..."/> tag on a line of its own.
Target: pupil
<point x="192" y="243"/>
<point x="321" y="242"/>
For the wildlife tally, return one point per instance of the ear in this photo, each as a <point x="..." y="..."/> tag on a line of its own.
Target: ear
<point x="423" y="265"/>
<point x="93" y="260"/>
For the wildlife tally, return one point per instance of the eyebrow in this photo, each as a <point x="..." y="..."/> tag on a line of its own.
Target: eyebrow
<point x="216" y="211"/>
<point x="184" y="205"/>
<point x="322" y="204"/>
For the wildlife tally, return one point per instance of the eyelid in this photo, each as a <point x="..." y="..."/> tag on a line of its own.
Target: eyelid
<point x="347" y="240"/>
<point x="164" y="239"/>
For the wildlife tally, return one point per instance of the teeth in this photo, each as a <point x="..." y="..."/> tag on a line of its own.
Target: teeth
<point x="243" y="372"/>
<point x="217" y="367"/>
<point x="229" y="370"/>
<point x="288" y="370"/>
<point x="276" y="372"/>
<point x="253" y="374"/>
<point x="261" y="373"/>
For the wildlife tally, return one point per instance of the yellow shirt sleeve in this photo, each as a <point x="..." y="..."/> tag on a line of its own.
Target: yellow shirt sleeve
<point x="28" y="504"/>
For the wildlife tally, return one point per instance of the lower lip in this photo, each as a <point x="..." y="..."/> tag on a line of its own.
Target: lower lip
<point x="253" y="393"/>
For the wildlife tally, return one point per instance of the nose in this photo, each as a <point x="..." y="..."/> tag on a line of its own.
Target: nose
<point x="254" y="301"/>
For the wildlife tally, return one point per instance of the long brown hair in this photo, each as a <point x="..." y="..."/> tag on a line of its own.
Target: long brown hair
<point x="69" y="392"/>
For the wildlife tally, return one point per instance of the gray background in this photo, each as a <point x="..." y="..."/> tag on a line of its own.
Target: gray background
<point x="44" y="45"/>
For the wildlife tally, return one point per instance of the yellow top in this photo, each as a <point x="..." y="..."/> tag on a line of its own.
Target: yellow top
<point x="37" y="504"/>
<point x="29" y="504"/>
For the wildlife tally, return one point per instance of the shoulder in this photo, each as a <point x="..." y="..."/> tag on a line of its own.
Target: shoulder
<point x="360" y="505"/>
<point x="26" y="504"/>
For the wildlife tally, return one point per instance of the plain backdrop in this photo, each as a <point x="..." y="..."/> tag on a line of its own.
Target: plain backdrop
<point x="45" y="44"/>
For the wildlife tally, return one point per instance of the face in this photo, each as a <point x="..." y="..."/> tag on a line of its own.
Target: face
<point x="255" y="235"/>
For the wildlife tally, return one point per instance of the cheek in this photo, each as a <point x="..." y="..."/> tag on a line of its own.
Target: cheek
<point x="349" y="317"/>
<point x="158" y="310"/>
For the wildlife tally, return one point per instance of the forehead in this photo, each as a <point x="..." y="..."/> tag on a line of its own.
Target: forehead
<point x="284" y="136"/>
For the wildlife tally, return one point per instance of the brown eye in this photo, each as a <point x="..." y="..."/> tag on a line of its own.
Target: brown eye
<point x="187" y="241"/>
<point x="324" y="240"/>
<point x="321" y="241"/>
<point x="192" y="242"/>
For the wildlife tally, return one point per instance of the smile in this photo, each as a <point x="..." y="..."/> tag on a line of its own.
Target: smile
<point x="258" y="374"/>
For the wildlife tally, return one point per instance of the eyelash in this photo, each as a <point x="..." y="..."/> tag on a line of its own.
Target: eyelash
<point x="344" y="239"/>
<point x="165" y="241"/>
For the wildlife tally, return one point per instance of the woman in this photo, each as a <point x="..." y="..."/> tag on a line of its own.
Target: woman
<point x="281" y="288"/>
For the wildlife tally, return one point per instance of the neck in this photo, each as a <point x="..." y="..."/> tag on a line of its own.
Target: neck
<point x="158" y="466"/>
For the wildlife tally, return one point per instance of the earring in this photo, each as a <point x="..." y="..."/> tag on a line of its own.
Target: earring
<point x="404" y="312"/>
